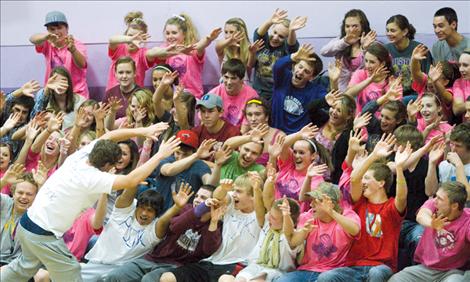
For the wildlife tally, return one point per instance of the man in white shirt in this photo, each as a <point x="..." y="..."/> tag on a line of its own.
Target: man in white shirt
<point x="75" y="186"/>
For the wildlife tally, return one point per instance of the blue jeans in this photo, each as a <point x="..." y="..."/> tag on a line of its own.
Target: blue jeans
<point x="299" y="275"/>
<point x="410" y="234"/>
<point x="377" y="273"/>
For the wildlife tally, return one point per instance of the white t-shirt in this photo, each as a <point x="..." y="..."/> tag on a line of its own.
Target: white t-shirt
<point x="447" y="172"/>
<point x="123" y="238"/>
<point x="287" y="255"/>
<point x="239" y="236"/>
<point x="72" y="189"/>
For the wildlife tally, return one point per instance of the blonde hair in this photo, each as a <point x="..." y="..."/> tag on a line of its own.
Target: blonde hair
<point x="245" y="181"/>
<point x="244" y="44"/>
<point x="184" y="22"/>
<point x="144" y="98"/>
<point x="136" y="18"/>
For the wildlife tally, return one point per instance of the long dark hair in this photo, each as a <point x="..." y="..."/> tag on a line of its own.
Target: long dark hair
<point x="403" y="23"/>
<point x="69" y="97"/>
<point x="134" y="151"/>
<point x="354" y="13"/>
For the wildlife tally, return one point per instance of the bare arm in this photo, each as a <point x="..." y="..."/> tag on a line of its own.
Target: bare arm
<point x="97" y="219"/>
<point x="206" y="41"/>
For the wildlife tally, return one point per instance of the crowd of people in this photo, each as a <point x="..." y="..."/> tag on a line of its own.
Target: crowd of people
<point x="279" y="173"/>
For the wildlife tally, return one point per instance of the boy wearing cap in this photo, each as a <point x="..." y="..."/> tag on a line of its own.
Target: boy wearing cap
<point x="234" y="91"/>
<point x="451" y="43"/>
<point x="213" y="126"/>
<point x="184" y="166"/>
<point x="327" y="244"/>
<point x="61" y="49"/>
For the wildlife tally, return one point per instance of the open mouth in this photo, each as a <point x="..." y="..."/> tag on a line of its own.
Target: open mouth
<point x="50" y="148"/>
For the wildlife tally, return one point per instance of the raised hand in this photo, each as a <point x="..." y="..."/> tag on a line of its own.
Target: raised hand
<point x="204" y="150"/>
<point x="13" y="174"/>
<point x="217" y="213"/>
<point x="352" y="36"/>
<point x="139" y="38"/>
<point x="309" y="226"/>
<point x="30" y="88"/>
<point x="55" y="122"/>
<point x="41" y="119"/>
<point x="359" y="158"/>
<point x="437" y="152"/>
<point x="64" y="145"/>
<point x="256" y="46"/>
<point x="155" y="130"/>
<point x="182" y="197"/>
<point x="32" y="130"/>
<point x="168" y="147"/>
<point x="12" y="121"/>
<point x="332" y="97"/>
<point x="70" y="43"/>
<point x="355" y="138"/>
<point x="438" y="222"/>
<point x="222" y="155"/>
<point x="379" y="73"/>
<point x="368" y="39"/>
<point x="298" y="23"/>
<point x="394" y="92"/>
<point x="57" y="84"/>
<point x="214" y="34"/>
<point x="334" y="70"/>
<point x="81" y="118"/>
<point x="51" y="37"/>
<point x="278" y="16"/>
<point x="226" y="184"/>
<point x="309" y="131"/>
<point x="403" y="154"/>
<point x="40" y="173"/>
<point x="325" y="204"/>
<point x="256" y="179"/>
<point x="100" y="110"/>
<point x="362" y="121"/>
<point x="413" y="108"/>
<point x="316" y="170"/>
<point x="454" y="159"/>
<point x="435" y="72"/>
<point x="114" y="103"/>
<point x="2" y="100"/>
<point x="305" y="53"/>
<point x="140" y="114"/>
<point x="169" y="78"/>
<point x="257" y="133"/>
<point x="385" y="146"/>
<point x="275" y="149"/>
<point x="285" y="207"/>
<point x="270" y="172"/>
<point x="419" y="52"/>
<point x="235" y="38"/>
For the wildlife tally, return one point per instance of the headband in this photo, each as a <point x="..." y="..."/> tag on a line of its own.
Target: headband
<point x="179" y="17"/>
<point x="254" y="101"/>
<point x="312" y="143"/>
<point x="162" y="68"/>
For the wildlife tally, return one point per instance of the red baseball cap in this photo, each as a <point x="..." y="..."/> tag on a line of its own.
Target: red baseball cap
<point x="188" y="138"/>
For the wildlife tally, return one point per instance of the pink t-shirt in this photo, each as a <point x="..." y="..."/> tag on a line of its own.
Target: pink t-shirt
<point x="328" y="244"/>
<point x="77" y="237"/>
<point x="345" y="186"/>
<point x="448" y="248"/>
<point x="32" y="161"/>
<point x="141" y="64"/>
<point x="443" y="128"/>
<point x="461" y="89"/>
<point x="289" y="181"/>
<point x="62" y="57"/>
<point x="420" y="88"/>
<point x="234" y="105"/>
<point x="6" y="188"/>
<point x="372" y="92"/>
<point x="190" y="69"/>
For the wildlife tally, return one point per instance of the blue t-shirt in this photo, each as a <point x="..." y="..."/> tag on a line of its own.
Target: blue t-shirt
<point x="166" y="184"/>
<point x="289" y="106"/>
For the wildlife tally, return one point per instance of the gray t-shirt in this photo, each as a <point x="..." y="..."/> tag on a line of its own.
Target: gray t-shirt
<point x="9" y="247"/>
<point x="441" y="51"/>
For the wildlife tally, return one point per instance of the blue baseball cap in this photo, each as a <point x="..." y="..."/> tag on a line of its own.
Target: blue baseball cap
<point x="55" y="17"/>
<point x="210" y="101"/>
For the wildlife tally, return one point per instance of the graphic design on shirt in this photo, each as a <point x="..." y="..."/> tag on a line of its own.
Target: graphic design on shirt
<point x="374" y="224"/>
<point x="232" y="115"/>
<point x="56" y="60"/>
<point x="289" y="189"/>
<point x="179" y="64"/>
<point x="325" y="247"/>
<point x="243" y="224"/>
<point x="189" y="240"/>
<point x="132" y="237"/>
<point x="401" y="66"/>
<point x="444" y="240"/>
<point x="370" y="96"/>
<point x="265" y="64"/>
<point x="293" y="106"/>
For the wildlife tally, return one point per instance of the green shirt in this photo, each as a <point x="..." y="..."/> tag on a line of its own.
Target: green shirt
<point x="232" y="169"/>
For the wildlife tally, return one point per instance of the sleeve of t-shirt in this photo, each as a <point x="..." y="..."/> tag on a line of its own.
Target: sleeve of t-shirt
<point x="444" y="170"/>
<point x="420" y="87"/>
<point x="5" y="203"/>
<point x="350" y="214"/>
<point x="195" y="57"/>
<point x="116" y="53"/>
<point x="430" y="205"/>
<point x="150" y="236"/>
<point x="120" y="214"/>
<point x="286" y="163"/>
<point x="42" y="48"/>
<point x="170" y="159"/>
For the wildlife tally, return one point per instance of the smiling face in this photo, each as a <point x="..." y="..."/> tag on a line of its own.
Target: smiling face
<point x="442" y="28"/>
<point x="61" y="30"/>
<point x="338" y="114"/>
<point x="126" y="157"/>
<point x="145" y="215"/>
<point x="157" y="76"/>
<point x="278" y="35"/>
<point x="302" y="74"/>
<point x="5" y="158"/>
<point x="464" y="66"/>
<point x="173" y="34"/>
<point x="430" y="110"/>
<point x="395" y="34"/>
<point x="249" y="152"/>
<point x="89" y="118"/>
<point x="233" y="84"/>
<point x="371" y="63"/>
<point x="125" y="75"/>
<point x="388" y="121"/>
<point x="51" y="147"/>
<point x="24" y="195"/>
<point x="255" y="115"/>
<point x="370" y="186"/>
<point x="242" y="200"/>
<point x="303" y="156"/>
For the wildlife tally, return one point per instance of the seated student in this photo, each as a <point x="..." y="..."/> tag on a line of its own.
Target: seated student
<point x="272" y="256"/>
<point x="213" y="126"/>
<point x="234" y="91"/>
<point x="239" y="234"/>
<point x="279" y="37"/>
<point x="124" y="71"/>
<point x="24" y="190"/>
<point x="294" y="89"/>
<point x="329" y="232"/>
<point x="461" y="87"/>
<point x="61" y="49"/>
<point x="444" y="248"/>
<point x="132" y="230"/>
<point x="193" y="234"/>
<point x="456" y="166"/>
<point x="451" y="43"/>
<point x="184" y="166"/>
<point x="374" y="256"/>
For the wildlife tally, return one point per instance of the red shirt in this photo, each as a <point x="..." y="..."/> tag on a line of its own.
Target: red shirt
<point x="380" y="230"/>
<point x="227" y="131"/>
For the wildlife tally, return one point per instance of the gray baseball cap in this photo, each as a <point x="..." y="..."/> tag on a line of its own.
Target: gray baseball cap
<point x="210" y="101"/>
<point x="55" y="17"/>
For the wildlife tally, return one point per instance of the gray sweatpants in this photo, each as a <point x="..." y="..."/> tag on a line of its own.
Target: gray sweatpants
<point x="422" y="273"/>
<point x="138" y="270"/>
<point x="39" y="250"/>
